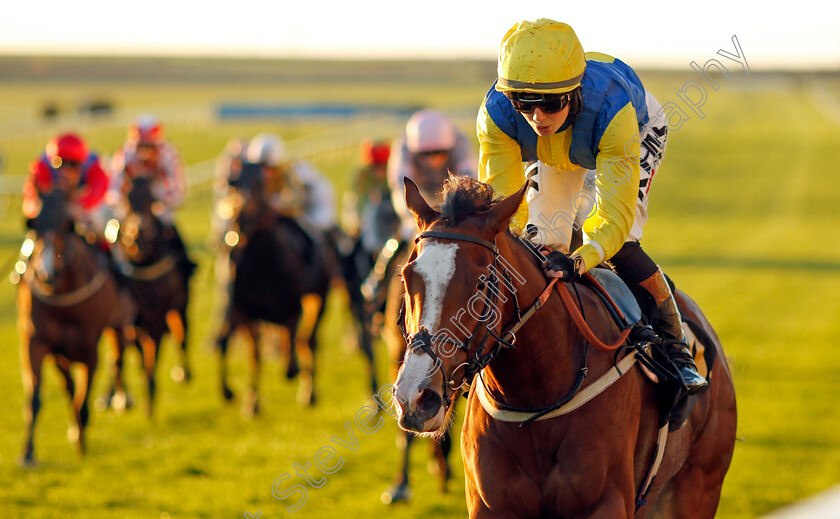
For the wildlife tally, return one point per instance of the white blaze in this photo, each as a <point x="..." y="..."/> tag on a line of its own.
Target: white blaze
<point x="436" y="265"/>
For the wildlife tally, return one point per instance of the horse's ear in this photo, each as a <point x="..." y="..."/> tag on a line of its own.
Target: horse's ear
<point x="502" y="212"/>
<point x="418" y="206"/>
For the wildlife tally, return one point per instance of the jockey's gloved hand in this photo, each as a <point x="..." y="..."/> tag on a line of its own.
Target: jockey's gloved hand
<point x="557" y="264"/>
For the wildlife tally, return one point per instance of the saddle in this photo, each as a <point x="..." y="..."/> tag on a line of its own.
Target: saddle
<point x="638" y="309"/>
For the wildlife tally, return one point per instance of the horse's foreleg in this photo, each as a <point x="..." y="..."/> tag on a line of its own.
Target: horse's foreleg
<point x="221" y="346"/>
<point x="441" y="454"/>
<point x="313" y="307"/>
<point x="150" y="350"/>
<point x="79" y="393"/>
<point x="176" y="322"/>
<point x="288" y="343"/>
<point x="116" y="396"/>
<point x="614" y="504"/>
<point x="693" y="492"/>
<point x="251" y="405"/>
<point x="74" y="433"/>
<point x="366" y="346"/>
<point x="401" y="490"/>
<point x="32" y="360"/>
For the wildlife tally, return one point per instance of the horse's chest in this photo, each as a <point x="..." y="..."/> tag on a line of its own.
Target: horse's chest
<point x="552" y="477"/>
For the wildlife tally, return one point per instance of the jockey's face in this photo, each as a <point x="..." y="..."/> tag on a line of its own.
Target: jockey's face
<point x="69" y="173"/>
<point x="433" y="160"/>
<point x="148" y="153"/>
<point x="545" y="123"/>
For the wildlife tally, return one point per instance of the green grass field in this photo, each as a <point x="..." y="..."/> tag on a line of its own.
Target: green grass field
<point x="744" y="217"/>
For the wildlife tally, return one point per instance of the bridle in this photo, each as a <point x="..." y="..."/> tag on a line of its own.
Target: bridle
<point x="422" y="340"/>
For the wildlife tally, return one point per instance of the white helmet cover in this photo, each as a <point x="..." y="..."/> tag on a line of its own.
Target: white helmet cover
<point x="429" y="130"/>
<point x="267" y="149"/>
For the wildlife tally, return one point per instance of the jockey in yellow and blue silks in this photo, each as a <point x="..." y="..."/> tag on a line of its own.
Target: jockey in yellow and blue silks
<point x="592" y="138"/>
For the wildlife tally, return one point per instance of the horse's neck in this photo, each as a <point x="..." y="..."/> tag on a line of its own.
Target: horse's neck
<point x="82" y="267"/>
<point x="155" y="248"/>
<point x="548" y="353"/>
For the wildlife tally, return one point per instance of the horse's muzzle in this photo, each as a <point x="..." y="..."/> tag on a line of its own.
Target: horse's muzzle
<point x="422" y="415"/>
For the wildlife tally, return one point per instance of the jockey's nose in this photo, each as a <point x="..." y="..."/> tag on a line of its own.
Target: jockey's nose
<point x="538" y="114"/>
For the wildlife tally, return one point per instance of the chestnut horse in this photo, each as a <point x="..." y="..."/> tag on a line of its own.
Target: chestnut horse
<point x="470" y="292"/>
<point x="66" y="299"/>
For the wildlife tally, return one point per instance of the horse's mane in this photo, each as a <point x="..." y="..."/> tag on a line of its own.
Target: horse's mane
<point x="463" y="197"/>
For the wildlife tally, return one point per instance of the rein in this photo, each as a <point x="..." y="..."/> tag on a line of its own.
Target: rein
<point x="422" y="340"/>
<point x="153" y="271"/>
<point x="44" y="293"/>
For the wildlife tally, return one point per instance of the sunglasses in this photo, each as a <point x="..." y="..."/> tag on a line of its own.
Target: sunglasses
<point x="526" y="102"/>
<point x="430" y="153"/>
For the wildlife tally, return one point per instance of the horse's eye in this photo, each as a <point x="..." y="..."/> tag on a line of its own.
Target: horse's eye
<point x="480" y="286"/>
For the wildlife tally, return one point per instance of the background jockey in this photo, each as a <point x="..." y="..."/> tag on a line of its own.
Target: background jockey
<point x="294" y="188"/>
<point x="68" y="165"/>
<point x="596" y="138"/>
<point x="427" y="151"/>
<point x="429" y="148"/>
<point x="146" y="153"/>
<point x="368" y="213"/>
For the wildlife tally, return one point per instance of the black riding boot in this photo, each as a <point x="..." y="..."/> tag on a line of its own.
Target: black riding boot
<point x="668" y="326"/>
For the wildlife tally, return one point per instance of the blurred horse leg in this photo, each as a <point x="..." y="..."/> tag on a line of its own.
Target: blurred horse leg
<point x="401" y="489"/>
<point x="116" y="397"/>
<point x="149" y="346"/>
<point x="176" y="321"/>
<point x="355" y="268"/>
<point x="79" y="394"/>
<point x="441" y="451"/>
<point x="32" y="360"/>
<point x="306" y="342"/>
<point x="231" y="322"/>
<point x="251" y="406"/>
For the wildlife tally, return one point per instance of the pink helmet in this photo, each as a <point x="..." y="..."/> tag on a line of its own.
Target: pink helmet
<point x="429" y="130"/>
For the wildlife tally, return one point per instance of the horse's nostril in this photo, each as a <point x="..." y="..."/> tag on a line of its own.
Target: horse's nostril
<point x="429" y="402"/>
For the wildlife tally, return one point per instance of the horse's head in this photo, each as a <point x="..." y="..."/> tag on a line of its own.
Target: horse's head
<point x="53" y="225"/>
<point x="139" y="196"/>
<point x="451" y="290"/>
<point x="141" y="234"/>
<point x="250" y="209"/>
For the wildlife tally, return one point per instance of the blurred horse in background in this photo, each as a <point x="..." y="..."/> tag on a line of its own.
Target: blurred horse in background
<point x="376" y="225"/>
<point x="160" y="289"/>
<point x="277" y="277"/>
<point x="66" y="299"/>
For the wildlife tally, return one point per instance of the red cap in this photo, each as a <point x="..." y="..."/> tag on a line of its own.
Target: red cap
<point x="69" y="147"/>
<point x="375" y="153"/>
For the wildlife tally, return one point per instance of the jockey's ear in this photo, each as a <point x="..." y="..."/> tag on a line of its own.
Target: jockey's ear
<point x="501" y="214"/>
<point x="418" y="206"/>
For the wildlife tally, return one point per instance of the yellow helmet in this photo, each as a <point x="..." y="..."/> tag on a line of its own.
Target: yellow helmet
<point x="543" y="57"/>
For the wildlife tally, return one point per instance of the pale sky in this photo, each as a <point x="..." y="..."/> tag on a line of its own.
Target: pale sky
<point x="797" y="34"/>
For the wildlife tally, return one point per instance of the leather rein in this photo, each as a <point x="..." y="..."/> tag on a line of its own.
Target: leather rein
<point x="475" y="364"/>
